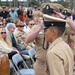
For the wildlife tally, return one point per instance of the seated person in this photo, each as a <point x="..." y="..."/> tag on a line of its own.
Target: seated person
<point x="21" y="36"/>
<point x="10" y="28"/>
<point x="5" y="45"/>
<point x="30" y="25"/>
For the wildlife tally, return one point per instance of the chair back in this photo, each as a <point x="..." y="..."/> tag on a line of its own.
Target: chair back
<point x="17" y="58"/>
<point x="31" y="53"/>
<point x="13" y="67"/>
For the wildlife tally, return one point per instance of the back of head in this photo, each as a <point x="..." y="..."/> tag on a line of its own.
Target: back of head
<point x="59" y="6"/>
<point x="67" y="12"/>
<point x="3" y="7"/>
<point x="48" y="8"/>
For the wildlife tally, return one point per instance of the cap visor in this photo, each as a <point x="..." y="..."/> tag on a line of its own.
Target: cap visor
<point x="54" y="18"/>
<point x="44" y="27"/>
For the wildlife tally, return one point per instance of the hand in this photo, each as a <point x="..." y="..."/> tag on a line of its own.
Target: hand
<point x="42" y="23"/>
<point x="59" y="14"/>
<point x="16" y="51"/>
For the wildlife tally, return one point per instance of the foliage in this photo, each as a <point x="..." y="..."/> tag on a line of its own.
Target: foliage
<point x="0" y="3"/>
<point x="65" y="4"/>
<point x="34" y="2"/>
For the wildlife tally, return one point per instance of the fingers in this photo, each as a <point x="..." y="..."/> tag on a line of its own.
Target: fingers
<point x="16" y="51"/>
<point x="42" y="23"/>
<point x="57" y="12"/>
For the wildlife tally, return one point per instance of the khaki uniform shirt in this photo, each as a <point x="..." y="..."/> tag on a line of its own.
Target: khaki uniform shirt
<point x="40" y="52"/>
<point x="60" y="58"/>
<point x="68" y="34"/>
<point x="40" y="64"/>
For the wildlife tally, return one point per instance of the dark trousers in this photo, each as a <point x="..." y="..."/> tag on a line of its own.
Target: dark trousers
<point x="11" y="54"/>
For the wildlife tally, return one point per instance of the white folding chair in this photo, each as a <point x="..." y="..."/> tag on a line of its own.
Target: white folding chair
<point x="74" y="72"/>
<point x="23" y="71"/>
<point x="31" y="53"/>
<point x="12" y="67"/>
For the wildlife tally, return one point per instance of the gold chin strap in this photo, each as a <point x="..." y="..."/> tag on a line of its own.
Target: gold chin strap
<point x="47" y="45"/>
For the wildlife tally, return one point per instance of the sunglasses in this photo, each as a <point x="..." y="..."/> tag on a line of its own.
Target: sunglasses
<point x="31" y="24"/>
<point x="3" y="32"/>
<point x="20" y="26"/>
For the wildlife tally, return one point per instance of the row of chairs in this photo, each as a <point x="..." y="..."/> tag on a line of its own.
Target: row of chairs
<point x="17" y="58"/>
<point x="24" y="69"/>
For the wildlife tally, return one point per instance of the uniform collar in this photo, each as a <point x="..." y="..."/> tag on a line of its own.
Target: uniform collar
<point x="55" y="42"/>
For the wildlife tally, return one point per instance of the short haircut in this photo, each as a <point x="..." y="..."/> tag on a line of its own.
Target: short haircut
<point x="59" y="29"/>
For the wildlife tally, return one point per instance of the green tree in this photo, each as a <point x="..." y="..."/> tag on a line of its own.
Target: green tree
<point x="46" y="0"/>
<point x="7" y="4"/>
<point x="0" y="3"/>
<point x="34" y="2"/>
<point x="71" y="4"/>
<point x="62" y="0"/>
<point x="13" y="2"/>
<point x="16" y="3"/>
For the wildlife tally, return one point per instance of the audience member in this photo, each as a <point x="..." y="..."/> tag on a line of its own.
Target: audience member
<point x="5" y="44"/>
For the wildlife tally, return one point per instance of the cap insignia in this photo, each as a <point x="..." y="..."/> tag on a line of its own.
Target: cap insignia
<point x="47" y="7"/>
<point x="65" y="11"/>
<point x="52" y="24"/>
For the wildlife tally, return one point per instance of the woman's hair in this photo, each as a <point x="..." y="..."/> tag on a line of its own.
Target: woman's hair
<point x="10" y="25"/>
<point x="6" y="40"/>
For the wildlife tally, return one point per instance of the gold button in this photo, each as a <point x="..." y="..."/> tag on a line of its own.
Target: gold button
<point x="52" y="24"/>
<point x="65" y="11"/>
<point x="47" y="7"/>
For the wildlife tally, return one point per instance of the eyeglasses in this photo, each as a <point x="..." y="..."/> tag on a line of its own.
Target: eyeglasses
<point x="20" y="26"/>
<point x="3" y="32"/>
<point x="31" y="24"/>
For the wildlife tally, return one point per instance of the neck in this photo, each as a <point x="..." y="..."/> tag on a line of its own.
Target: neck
<point x="11" y="32"/>
<point x="53" y="39"/>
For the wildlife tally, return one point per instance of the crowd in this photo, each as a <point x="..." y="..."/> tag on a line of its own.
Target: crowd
<point x="49" y="30"/>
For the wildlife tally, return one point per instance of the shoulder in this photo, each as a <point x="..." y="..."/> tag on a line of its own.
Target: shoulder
<point x="59" y="49"/>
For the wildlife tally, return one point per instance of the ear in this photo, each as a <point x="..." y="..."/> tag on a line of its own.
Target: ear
<point x="54" y="32"/>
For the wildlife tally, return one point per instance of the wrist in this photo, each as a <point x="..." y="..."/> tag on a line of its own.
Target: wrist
<point x="40" y="27"/>
<point x="65" y="18"/>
